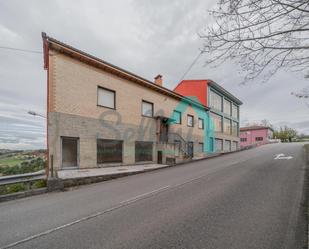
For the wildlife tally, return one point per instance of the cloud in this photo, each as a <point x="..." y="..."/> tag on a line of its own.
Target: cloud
<point x="142" y="36"/>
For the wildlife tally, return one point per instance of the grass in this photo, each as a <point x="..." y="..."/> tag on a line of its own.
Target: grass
<point x="10" y="161"/>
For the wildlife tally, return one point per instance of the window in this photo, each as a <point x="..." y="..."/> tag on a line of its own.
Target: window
<point x="227" y="145"/>
<point x="190" y="121"/>
<point x="234" y="128"/>
<point x="234" y="146"/>
<point x="109" y="151"/>
<point x="69" y="151"/>
<point x="106" y="97"/>
<point x="215" y="100"/>
<point x="259" y="139"/>
<point x="235" y="111"/>
<point x="177" y="147"/>
<point x="177" y="117"/>
<point x="200" y="147"/>
<point x="227" y="126"/>
<point x="190" y="149"/>
<point x="227" y="107"/>
<point x="143" y="151"/>
<point x="216" y="122"/>
<point x="147" y="108"/>
<point x="201" y="123"/>
<point x="219" y="144"/>
<point x="243" y="139"/>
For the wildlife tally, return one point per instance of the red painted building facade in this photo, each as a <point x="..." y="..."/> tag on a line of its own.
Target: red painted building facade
<point x="224" y="111"/>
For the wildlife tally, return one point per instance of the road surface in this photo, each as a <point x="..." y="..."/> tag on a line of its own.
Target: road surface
<point x="241" y="200"/>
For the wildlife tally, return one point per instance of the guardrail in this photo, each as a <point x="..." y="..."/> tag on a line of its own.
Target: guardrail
<point x="22" y="178"/>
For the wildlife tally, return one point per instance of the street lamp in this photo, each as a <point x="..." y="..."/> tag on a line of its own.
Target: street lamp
<point x="33" y="113"/>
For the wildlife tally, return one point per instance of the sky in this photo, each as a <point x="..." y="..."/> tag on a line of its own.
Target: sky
<point x="143" y="36"/>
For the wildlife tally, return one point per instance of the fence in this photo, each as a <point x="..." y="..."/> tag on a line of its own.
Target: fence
<point x="23" y="178"/>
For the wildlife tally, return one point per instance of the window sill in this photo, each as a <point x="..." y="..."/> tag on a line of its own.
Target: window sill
<point x="106" y="107"/>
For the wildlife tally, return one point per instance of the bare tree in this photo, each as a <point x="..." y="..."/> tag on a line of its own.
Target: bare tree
<point x="263" y="36"/>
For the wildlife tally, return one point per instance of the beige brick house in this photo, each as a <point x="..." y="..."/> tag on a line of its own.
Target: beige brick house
<point x="101" y="115"/>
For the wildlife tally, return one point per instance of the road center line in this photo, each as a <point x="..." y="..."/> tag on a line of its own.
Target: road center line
<point x="143" y="195"/>
<point x="117" y="206"/>
<point x="121" y="204"/>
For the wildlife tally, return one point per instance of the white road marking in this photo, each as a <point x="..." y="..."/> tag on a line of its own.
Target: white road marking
<point x="135" y="198"/>
<point x="121" y="204"/>
<point x="282" y="157"/>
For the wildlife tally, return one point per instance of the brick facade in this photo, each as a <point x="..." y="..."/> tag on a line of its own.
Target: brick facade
<point x="73" y="111"/>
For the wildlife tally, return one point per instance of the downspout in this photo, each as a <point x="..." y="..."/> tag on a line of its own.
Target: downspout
<point x="46" y="67"/>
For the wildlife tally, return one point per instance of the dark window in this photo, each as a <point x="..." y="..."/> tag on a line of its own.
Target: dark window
<point x="109" y="151"/>
<point x="243" y="139"/>
<point x="201" y="147"/>
<point x="69" y="152"/>
<point x="143" y="151"/>
<point x="177" y="117"/>
<point x="147" y="109"/>
<point x="106" y="98"/>
<point x="201" y="123"/>
<point x="190" y="120"/>
<point x="190" y="149"/>
<point x="259" y="139"/>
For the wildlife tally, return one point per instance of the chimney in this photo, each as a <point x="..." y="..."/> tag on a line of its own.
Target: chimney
<point x="158" y="80"/>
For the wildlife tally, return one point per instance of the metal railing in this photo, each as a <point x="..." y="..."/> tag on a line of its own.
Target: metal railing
<point x="22" y="178"/>
<point x="183" y="144"/>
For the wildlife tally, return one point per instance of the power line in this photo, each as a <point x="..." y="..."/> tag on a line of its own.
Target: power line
<point x="191" y="65"/>
<point x="21" y="50"/>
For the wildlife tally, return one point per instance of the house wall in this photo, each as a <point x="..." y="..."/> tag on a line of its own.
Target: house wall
<point x="201" y="89"/>
<point x="251" y="135"/>
<point x="73" y="111"/>
<point x="196" y="88"/>
<point x="225" y="137"/>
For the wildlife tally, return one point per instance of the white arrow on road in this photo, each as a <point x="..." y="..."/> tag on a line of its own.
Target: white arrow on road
<point x="282" y="156"/>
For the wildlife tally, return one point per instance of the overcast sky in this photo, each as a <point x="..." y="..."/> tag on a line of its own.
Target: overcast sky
<point x="143" y="36"/>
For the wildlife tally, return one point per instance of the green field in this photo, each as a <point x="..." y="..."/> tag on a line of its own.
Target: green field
<point x="10" y="161"/>
<point x="21" y="162"/>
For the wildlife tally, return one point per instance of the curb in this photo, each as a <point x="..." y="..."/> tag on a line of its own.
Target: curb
<point x="56" y="184"/>
<point x="74" y="182"/>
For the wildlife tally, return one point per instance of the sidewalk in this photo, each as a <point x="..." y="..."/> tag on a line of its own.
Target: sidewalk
<point x="108" y="171"/>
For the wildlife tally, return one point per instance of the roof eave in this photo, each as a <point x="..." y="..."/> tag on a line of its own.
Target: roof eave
<point x="71" y="51"/>
<point x="221" y="89"/>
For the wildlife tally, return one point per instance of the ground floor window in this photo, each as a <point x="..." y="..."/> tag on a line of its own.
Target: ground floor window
<point x="143" y="151"/>
<point x="219" y="144"/>
<point x="227" y="145"/>
<point x="243" y="139"/>
<point x="69" y="149"/>
<point x="259" y="139"/>
<point x="234" y="146"/>
<point x="190" y="149"/>
<point x="109" y="151"/>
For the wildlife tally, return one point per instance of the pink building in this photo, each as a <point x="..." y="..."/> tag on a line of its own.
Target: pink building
<point x="255" y="135"/>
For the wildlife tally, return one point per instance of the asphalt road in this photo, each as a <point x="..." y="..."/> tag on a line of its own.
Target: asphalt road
<point x="241" y="200"/>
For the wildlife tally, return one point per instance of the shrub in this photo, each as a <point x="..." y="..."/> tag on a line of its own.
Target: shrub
<point x="15" y="188"/>
<point x="39" y="184"/>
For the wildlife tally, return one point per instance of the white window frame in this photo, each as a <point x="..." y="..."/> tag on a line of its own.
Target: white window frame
<point x="188" y="124"/>
<point x="146" y="114"/>
<point x="200" y="123"/>
<point x="100" y="103"/>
